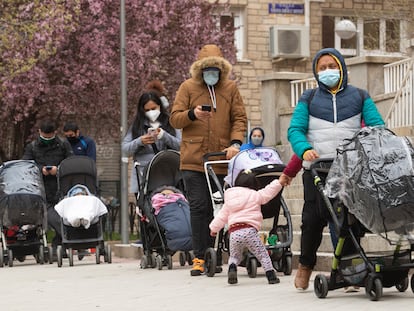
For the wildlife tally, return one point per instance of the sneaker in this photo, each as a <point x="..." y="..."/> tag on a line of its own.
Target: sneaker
<point x="198" y="267"/>
<point x="302" y="277"/>
<point x="351" y="289"/>
<point x="271" y="277"/>
<point x="232" y="274"/>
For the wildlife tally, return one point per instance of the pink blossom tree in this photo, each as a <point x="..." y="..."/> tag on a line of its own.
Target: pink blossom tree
<point x="68" y="65"/>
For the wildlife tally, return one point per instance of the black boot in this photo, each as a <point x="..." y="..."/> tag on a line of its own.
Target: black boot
<point x="232" y="274"/>
<point x="271" y="277"/>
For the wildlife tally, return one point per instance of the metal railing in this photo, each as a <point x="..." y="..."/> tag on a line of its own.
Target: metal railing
<point x="398" y="77"/>
<point x="297" y="87"/>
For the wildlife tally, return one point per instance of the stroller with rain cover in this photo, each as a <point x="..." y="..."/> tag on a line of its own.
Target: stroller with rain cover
<point x="164" y="229"/>
<point x="265" y="163"/>
<point x="72" y="171"/>
<point x="369" y="188"/>
<point x="23" y="215"/>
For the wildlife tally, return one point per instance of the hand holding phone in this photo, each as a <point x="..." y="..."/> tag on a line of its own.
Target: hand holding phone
<point x="206" y="108"/>
<point x="49" y="167"/>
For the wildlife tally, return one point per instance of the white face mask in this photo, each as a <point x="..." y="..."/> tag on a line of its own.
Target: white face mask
<point x="153" y="115"/>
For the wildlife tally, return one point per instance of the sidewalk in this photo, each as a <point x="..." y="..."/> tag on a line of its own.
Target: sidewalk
<point x="122" y="285"/>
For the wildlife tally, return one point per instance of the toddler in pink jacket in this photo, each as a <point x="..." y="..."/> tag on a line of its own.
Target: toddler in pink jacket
<point x="242" y="212"/>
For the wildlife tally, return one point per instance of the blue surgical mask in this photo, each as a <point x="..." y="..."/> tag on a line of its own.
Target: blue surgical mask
<point x="211" y="77"/>
<point x="329" y="77"/>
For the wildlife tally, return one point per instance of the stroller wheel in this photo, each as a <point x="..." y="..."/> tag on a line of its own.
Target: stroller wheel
<point x="159" y="262"/>
<point x="373" y="288"/>
<point x="70" y="255"/>
<point x="153" y="260"/>
<point x="144" y="262"/>
<point x="252" y="268"/>
<point x="182" y="259"/>
<point x="1" y="256"/>
<point x="210" y="264"/>
<point x="10" y="258"/>
<point x="287" y="265"/>
<point x="170" y="262"/>
<point x="403" y="285"/>
<point x="320" y="286"/>
<point x="189" y="257"/>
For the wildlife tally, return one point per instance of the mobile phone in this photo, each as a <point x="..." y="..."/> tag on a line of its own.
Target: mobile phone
<point x="151" y="130"/>
<point x="206" y="108"/>
<point x="49" y="167"/>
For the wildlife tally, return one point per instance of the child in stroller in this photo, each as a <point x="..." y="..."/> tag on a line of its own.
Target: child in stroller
<point x="163" y="212"/>
<point x="242" y="212"/>
<point x="81" y="216"/>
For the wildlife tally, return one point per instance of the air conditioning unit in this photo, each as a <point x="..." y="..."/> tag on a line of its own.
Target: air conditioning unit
<point x="289" y="41"/>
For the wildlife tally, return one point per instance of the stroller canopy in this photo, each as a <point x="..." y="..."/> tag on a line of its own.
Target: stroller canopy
<point x="251" y="159"/>
<point x="373" y="176"/>
<point x="21" y="176"/>
<point x="22" y="194"/>
<point x="75" y="170"/>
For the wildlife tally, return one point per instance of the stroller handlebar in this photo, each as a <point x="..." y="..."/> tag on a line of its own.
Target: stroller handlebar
<point x="208" y="155"/>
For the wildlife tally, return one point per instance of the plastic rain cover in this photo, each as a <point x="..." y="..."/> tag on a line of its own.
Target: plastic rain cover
<point x="373" y="176"/>
<point x="22" y="194"/>
<point x="250" y="159"/>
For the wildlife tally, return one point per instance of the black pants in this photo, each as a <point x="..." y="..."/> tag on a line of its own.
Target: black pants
<point x="315" y="216"/>
<point x="201" y="210"/>
<point x="53" y="220"/>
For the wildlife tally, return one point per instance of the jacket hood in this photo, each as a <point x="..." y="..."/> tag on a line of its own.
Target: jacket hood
<point x="343" y="81"/>
<point x="210" y="56"/>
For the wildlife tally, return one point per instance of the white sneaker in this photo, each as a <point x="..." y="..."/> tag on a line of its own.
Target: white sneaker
<point x="351" y="289"/>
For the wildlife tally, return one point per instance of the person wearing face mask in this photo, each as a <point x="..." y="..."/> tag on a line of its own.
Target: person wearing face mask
<point x="81" y="145"/>
<point x="322" y="119"/>
<point x="210" y="111"/>
<point x="256" y="139"/>
<point x="149" y="133"/>
<point x="48" y="150"/>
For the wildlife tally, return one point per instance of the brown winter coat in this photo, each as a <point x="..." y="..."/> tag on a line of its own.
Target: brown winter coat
<point x="228" y="122"/>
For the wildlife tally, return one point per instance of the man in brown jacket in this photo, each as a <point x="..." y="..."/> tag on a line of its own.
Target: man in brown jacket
<point x="210" y="111"/>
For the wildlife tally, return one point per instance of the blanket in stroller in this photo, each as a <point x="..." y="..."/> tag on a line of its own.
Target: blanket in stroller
<point x="173" y="215"/>
<point x="80" y="207"/>
<point x="373" y="176"/>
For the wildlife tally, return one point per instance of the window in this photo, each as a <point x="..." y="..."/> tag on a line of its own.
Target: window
<point x="375" y="36"/>
<point x="235" y="16"/>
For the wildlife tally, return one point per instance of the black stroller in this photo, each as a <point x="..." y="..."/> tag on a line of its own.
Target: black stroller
<point x="23" y="215"/>
<point x="167" y="230"/>
<point x="369" y="188"/>
<point x="265" y="163"/>
<point x="80" y="170"/>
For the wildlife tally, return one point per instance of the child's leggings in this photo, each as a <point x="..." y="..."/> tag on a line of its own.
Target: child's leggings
<point x="248" y="237"/>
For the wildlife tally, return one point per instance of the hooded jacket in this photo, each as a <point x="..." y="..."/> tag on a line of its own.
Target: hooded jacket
<point x="228" y="122"/>
<point x="330" y="117"/>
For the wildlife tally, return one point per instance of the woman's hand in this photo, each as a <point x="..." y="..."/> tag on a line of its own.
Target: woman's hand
<point x="148" y="139"/>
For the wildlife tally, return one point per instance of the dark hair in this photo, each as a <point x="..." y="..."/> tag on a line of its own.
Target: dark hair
<point x="139" y="127"/>
<point x="70" y="126"/>
<point x="247" y="179"/>
<point x="47" y="126"/>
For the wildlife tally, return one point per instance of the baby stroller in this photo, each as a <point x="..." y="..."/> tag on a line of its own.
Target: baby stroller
<point x="164" y="228"/>
<point x="72" y="171"/>
<point x="369" y="188"/>
<point x="23" y="215"/>
<point x="265" y="163"/>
